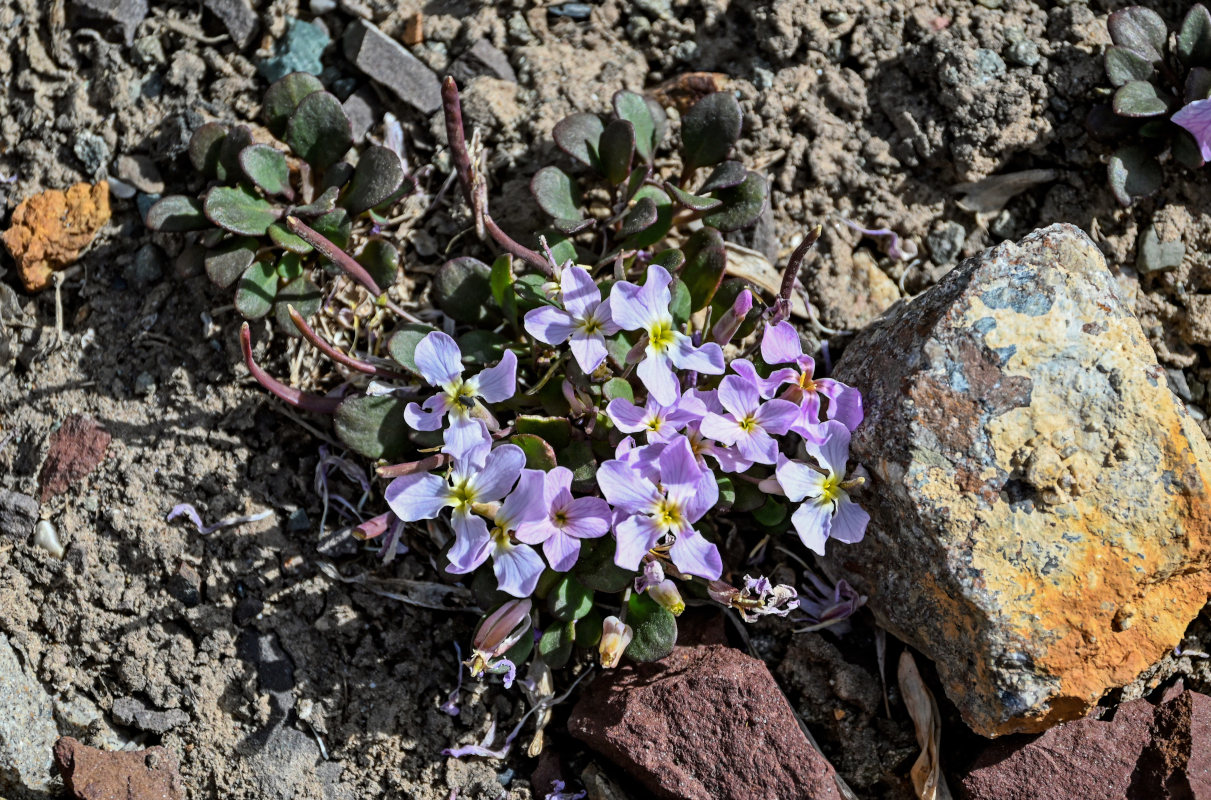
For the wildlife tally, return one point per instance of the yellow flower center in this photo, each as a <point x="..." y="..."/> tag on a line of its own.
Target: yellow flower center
<point x="501" y="536"/>
<point x="561" y="519"/>
<point x="461" y="395"/>
<point x="747" y="424"/>
<point x="661" y="335"/>
<point x="463" y="495"/>
<point x="806" y="382"/>
<point x="590" y="326"/>
<point x="830" y="489"/>
<point x="655" y="424"/>
<point x="668" y="515"/>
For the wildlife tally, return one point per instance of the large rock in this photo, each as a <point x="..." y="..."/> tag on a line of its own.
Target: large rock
<point x="705" y="723"/>
<point x="1039" y="498"/>
<point x="27" y="729"/>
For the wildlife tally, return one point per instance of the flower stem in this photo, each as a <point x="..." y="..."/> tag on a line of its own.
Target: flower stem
<point x="782" y="306"/>
<point x="295" y="397"/>
<point x="336" y="355"/>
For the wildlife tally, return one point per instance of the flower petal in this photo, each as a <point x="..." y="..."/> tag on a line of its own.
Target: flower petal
<point x="659" y="379"/>
<point x="844" y="402"/>
<point x="780" y="344"/>
<point x="626" y="416"/>
<point x="1196" y="118"/>
<point x="418" y="496"/>
<point x="849" y="521"/>
<point x="758" y="446"/>
<point x="524" y="503"/>
<point x="501" y="470"/>
<point x="739" y="396"/>
<point x="558" y="480"/>
<point x="588" y="518"/>
<point x="561" y="551"/>
<point x="625" y="488"/>
<point x="679" y="470"/>
<point x="777" y="416"/>
<point x="636" y="535"/>
<point x="535" y="531"/>
<point x="695" y="555"/>
<point x="589" y="350"/>
<point x="798" y="480"/>
<point x="580" y="293"/>
<point x="812" y="521"/>
<point x="517" y="569"/>
<point x="721" y="428"/>
<point x="429" y="416"/>
<point x="833" y="451"/>
<point x="472" y="544"/>
<point x="465" y="435"/>
<point x="605" y="318"/>
<point x="549" y="324"/>
<point x="655" y="291"/>
<point x="707" y="359"/>
<point x="497" y="383"/>
<point x="438" y="359"/>
<point x="628" y="308"/>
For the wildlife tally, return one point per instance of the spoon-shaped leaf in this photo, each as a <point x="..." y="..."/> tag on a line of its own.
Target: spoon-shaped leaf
<point x="225" y="263"/>
<point x="556" y="193"/>
<point x="742" y="204"/>
<point x="635" y="110"/>
<point x="267" y="168"/>
<point x="318" y="130"/>
<point x="579" y="136"/>
<point x="709" y="130"/>
<point x="238" y="210"/>
<point x="255" y="292"/>
<point x="176" y="213"/>
<point x="284" y="96"/>
<point x="378" y="175"/>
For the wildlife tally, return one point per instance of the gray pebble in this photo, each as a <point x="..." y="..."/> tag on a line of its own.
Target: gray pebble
<point x="1024" y="53"/>
<point x="661" y="9"/>
<point x="1178" y="384"/>
<point x="92" y="151"/>
<point x="132" y="712"/>
<point x="140" y="172"/>
<point x="18" y="514"/>
<point x="145" y="383"/>
<point x="387" y="61"/>
<point x="988" y="65"/>
<point x="146" y="268"/>
<point x="946" y="242"/>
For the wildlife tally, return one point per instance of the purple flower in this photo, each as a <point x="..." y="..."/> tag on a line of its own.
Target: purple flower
<point x="748" y="423"/>
<point x="1196" y="118"/>
<point x="564" y="520"/>
<point x="586" y="320"/>
<point x="650" y="514"/>
<point x="646" y="308"/>
<point x="781" y="345"/>
<point x="516" y="565"/>
<point x="660" y="422"/>
<point x="827" y="512"/>
<point x="728" y="458"/>
<point x="440" y="363"/>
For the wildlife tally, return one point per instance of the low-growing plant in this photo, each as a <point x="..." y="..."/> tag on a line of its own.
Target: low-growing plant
<point x="1159" y="107"/>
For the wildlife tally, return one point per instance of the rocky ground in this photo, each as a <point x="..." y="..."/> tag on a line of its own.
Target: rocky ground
<point x="957" y="124"/>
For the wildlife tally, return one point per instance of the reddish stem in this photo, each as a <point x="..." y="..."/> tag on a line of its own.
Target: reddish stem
<point x="782" y="306"/>
<point x="436" y="461"/>
<point x="330" y="251"/>
<point x="295" y="397"/>
<point x="336" y="355"/>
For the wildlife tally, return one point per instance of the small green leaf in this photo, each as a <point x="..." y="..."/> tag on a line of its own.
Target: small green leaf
<point x="680" y="307"/>
<point x="256" y="290"/>
<point x="589" y="630"/>
<point x="461" y="288"/>
<point x="318" y="130"/>
<point x="748" y="498"/>
<point x="664" y="218"/>
<point x="529" y="291"/>
<point x="376" y="178"/>
<point x="335" y="226"/>
<point x="301" y="294"/>
<point x="284" y="96"/>
<point x="642" y="215"/>
<point x="771" y="513"/>
<point x="337" y="175"/>
<point x="705" y="263"/>
<point x="205" y="146"/>
<point x="1186" y="150"/>
<point x="402" y="345"/>
<point x="556" y="430"/>
<point x="742" y="205"/>
<point x="570" y="600"/>
<point x="1133" y="172"/>
<point x="1198" y="84"/>
<point x="617" y="150"/>
<point x="225" y="263"/>
<point x="283" y="238"/>
<point x="556" y="193"/>
<point x="635" y="110"/>
<point x="290" y="267"/>
<point x="176" y="213"/>
<point x="654" y="626"/>
<point x="539" y="454"/>
<point x="482" y="347"/>
<point x="381" y="260"/>
<point x="238" y="210"/>
<point x="595" y="568"/>
<point x="1139" y="99"/>
<point x="1124" y="65"/>
<point x="578" y="457"/>
<point x="724" y="176"/>
<point x="1140" y="29"/>
<point x="320" y="205"/>
<point x="709" y="129"/>
<point x="555" y="646"/>
<point x="616" y="388"/>
<point x="670" y="259"/>
<point x="503" y="292"/>
<point x="228" y="167"/>
<point x="562" y="248"/>
<point x="571" y="226"/>
<point x="1194" y="38"/>
<point x="727" y="492"/>
<point x="267" y="168"/>
<point x="660" y="121"/>
<point x="579" y="136"/>
<point x="693" y="201"/>
<point x="373" y="426"/>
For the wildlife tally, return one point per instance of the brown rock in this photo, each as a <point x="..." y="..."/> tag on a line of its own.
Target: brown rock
<point x="75" y="450"/>
<point x="91" y="774"/>
<point x="705" y="723"/>
<point x="50" y="230"/>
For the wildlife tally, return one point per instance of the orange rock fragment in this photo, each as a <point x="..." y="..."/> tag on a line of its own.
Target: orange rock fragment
<point x="50" y="230"/>
<point x="414" y="31"/>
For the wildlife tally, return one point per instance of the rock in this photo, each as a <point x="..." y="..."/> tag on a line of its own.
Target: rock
<point x="946" y="242"/>
<point x="1143" y="751"/>
<point x="18" y="514"/>
<point x="298" y="51"/>
<point x="132" y="712"/>
<point x="140" y="172"/>
<point x="186" y="585"/>
<point x="360" y="108"/>
<point x="386" y="61"/>
<point x="1039" y="498"/>
<point x="92" y="774"/>
<point x="493" y="104"/>
<point x="126" y="13"/>
<point x="77" y="715"/>
<point x="75" y="450"/>
<point x="50" y="230"/>
<point x="92" y="150"/>
<point x="146" y="268"/>
<point x="27" y="730"/>
<point x="237" y="17"/>
<point x="1155" y="255"/>
<point x="482" y="59"/>
<point x="705" y="723"/>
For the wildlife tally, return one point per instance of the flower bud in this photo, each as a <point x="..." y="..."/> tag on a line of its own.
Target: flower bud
<point x="730" y="322"/>
<point x="665" y="593"/>
<point x="615" y="636"/>
<point x="652" y="574"/>
<point x="497" y="634"/>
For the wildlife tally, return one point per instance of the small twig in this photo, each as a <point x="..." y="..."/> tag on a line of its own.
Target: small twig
<point x="295" y="397"/>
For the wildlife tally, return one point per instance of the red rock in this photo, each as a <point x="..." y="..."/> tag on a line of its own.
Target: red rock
<point x="91" y="774"/>
<point x="705" y="723"/>
<point x="75" y="450"/>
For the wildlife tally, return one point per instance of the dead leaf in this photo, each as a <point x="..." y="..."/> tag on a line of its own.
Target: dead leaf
<point x="927" y="776"/>
<point x="757" y="270"/>
<point x="989" y="196"/>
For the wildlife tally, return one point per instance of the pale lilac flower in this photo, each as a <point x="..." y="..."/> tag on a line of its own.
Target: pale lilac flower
<point x="651" y="575"/>
<point x="586" y="320"/>
<point x="646" y="308"/>
<point x="781" y="345"/>
<point x="827" y="511"/>
<point x="747" y="423"/>
<point x="516" y="565"/>
<point x="564" y="521"/>
<point x="649" y="515"/>
<point x="440" y="363"/>
<point x="894" y="246"/>
<point x="728" y="458"/>
<point x="1196" y="118"/>
<point x="659" y="422"/>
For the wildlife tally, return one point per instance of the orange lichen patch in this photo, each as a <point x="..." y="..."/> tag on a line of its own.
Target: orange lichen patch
<point x="50" y="230"/>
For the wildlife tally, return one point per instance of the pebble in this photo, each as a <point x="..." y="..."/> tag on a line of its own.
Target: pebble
<point x="134" y="713"/>
<point x="46" y="537"/>
<point x="482" y="59"/>
<point x="18" y="514"/>
<point x="360" y="109"/>
<point x="387" y="61"/>
<point x="140" y="172"/>
<point x="661" y="9"/>
<point x="148" y="51"/>
<point x="128" y="14"/>
<point x="145" y="268"/>
<point x="1024" y="53"/>
<point x="27" y="729"/>
<point x="92" y="774"/>
<point x="1177" y="382"/>
<point x="92" y="151"/>
<point x="946" y="242"/>
<point x="237" y="17"/>
<point x="988" y="65"/>
<point x="1153" y="255"/>
<point x="298" y="51"/>
<point x="186" y="585"/>
<point x="145" y="384"/>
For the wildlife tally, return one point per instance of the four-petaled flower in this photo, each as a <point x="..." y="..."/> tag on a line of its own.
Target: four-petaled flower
<point x="827" y="511"/>
<point x="585" y="319"/>
<point x="659" y="422"/>
<point x="646" y="308"/>
<point x="781" y="345"/>
<point x="516" y="565"/>
<point x="748" y="423"/>
<point x="440" y="363"/>
<point x="564" y="520"/>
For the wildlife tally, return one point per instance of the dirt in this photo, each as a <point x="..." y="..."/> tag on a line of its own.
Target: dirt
<point x="299" y="686"/>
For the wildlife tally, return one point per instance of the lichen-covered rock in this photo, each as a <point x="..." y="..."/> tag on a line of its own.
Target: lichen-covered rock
<point x="1040" y="499"/>
<point x="50" y="230"/>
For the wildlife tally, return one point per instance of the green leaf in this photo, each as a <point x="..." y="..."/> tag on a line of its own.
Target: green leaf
<point x="225" y="263"/>
<point x="228" y="167"/>
<point x="654" y="626"/>
<point x="376" y="178"/>
<point x="1139" y="99"/>
<point x="205" y="146"/>
<point x="616" y="388"/>
<point x="579" y="136"/>
<point x="642" y="215"/>
<point x="556" y="430"/>
<point x="617" y="150"/>
<point x="705" y="263"/>
<point x="742" y="205"/>
<point x="176" y="213"/>
<point x="556" y="193"/>
<point x="335" y="226"/>
<point x="1186" y="150"/>
<point x="256" y="290"/>
<point x="1124" y="65"/>
<point x="692" y="201"/>
<point x="570" y="600"/>
<point x="529" y="291"/>
<point x="402" y="345"/>
<point x="503" y="293"/>
<point x="596" y="570"/>
<point x="539" y="454"/>
<point x="670" y="259"/>
<point x="318" y="130"/>
<point x="1194" y="38"/>
<point x="680" y="307"/>
<point x="562" y="248"/>
<point x="727" y="492"/>
<point x="283" y="238"/>
<point x="589" y="630"/>
<point x="290" y="266"/>
<point x="578" y="457"/>
<point x="664" y="218"/>
<point x="1198" y="84"/>
<point x="748" y="498"/>
<point x="267" y="168"/>
<point x="555" y="646"/>
<point x="1133" y="172"/>
<point x="461" y="288"/>
<point x="238" y="210"/>
<point x="770" y="513"/>
<point x="320" y="205"/>
<point x="709" y="129"/>
<point x="482" y="347"/>
<point x="635" y="110"/>
<point x="381" y="260"/>
<point x="724" y="176"/>
<point x="284" y="96"/>
<point x="337" y="175"/>
<point x="301" y="294"/>
<point x="1140" y="29"/>
<point x="373" y="426"/>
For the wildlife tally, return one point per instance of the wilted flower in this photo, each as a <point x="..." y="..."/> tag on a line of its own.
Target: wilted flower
<point x="585" y="322"/>
<point x="615" y="636"/>
<point x="829" y="606"/>
<point x="757" y="599"/>
<point x="666" y="594"/>
<point x="827" y="510"/>
<point x="498" y="633"/>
